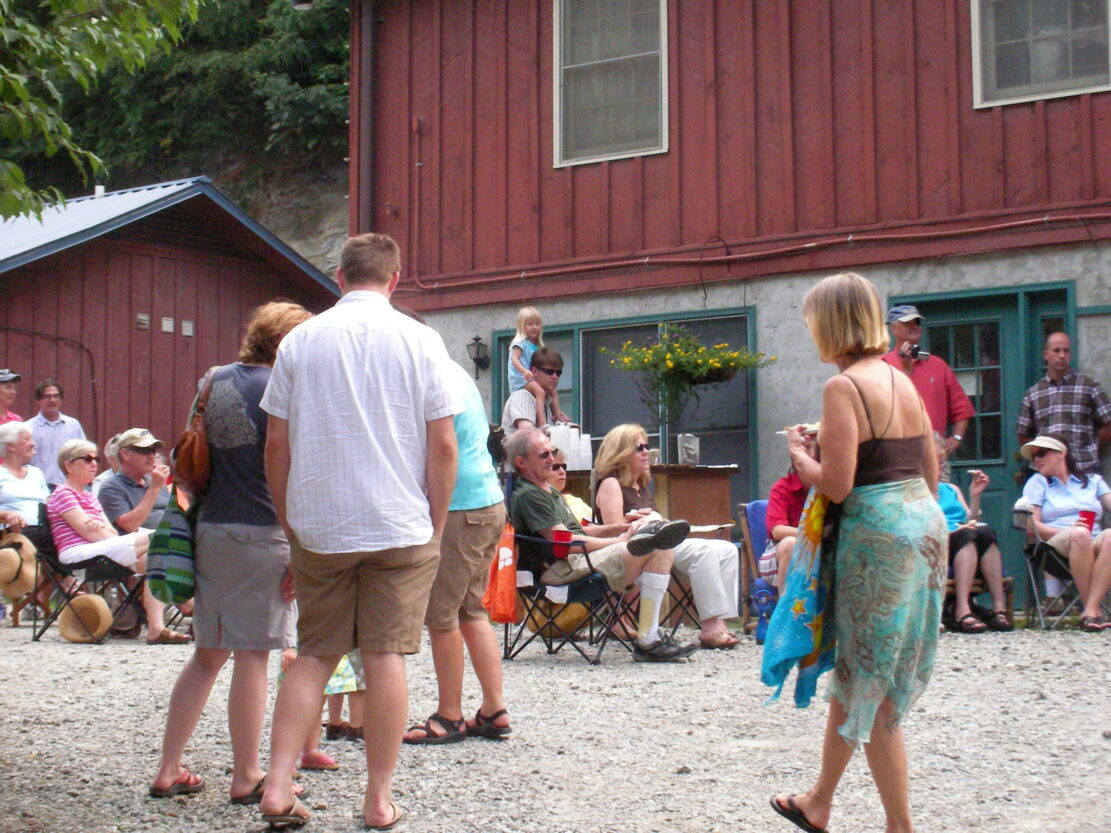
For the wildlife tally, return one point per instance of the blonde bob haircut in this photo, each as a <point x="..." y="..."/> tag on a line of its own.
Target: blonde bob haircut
<point x="616" y="454"/>
<point x="845" y="318"/>
<point x="71" y="450"/>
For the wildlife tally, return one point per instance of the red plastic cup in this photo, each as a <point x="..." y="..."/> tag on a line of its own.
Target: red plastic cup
<point x="561" y="538"/>
<point x="1088" y="518"/>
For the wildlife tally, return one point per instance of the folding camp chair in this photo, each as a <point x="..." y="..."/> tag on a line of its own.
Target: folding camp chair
<point x="98" y="575"/>
<point x="544" y="606"/>
<point x="1042" y="560"/>
<point x="754" y="539"/>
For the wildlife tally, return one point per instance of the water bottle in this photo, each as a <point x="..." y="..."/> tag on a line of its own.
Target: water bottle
<point x="763" y="598"/>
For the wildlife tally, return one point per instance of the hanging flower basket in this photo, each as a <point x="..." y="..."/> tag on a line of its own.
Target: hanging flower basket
<point x="668" y="369"/>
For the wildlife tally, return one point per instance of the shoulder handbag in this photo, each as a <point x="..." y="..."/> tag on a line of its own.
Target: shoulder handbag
<point x="190" y="455"/>
<point x="170" y="574"/>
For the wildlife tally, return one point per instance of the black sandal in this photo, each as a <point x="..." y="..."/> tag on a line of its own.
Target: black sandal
<point x="998" y="621"/>
<point x="1092" y="624"/>
<point x="969" y="624"/>
<point x="455" y="730"/>
<point x="484" y="726"/>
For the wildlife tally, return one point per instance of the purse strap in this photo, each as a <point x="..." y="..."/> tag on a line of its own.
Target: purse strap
<point x="201" y="400"/>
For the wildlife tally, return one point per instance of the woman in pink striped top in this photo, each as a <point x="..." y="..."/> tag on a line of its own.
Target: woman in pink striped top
<point x="81" y="531"/>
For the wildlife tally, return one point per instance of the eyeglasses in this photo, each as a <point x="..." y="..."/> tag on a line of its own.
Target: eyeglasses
<point x="544" y="455"/>
<point x="559" y="467"/>
<point x="88" y="458"/>
<point x="145" y="451"/>
<point x="550" y="371"/>
<point x="640" y="447"/>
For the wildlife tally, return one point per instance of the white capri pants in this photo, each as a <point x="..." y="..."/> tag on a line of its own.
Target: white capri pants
<point x="120" y="549"/>
<point x="711" y="567"/>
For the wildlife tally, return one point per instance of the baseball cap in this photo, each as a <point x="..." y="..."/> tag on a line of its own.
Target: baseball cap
<point x="1052" y="443"/>
<point x="9" y="376"/>
<point x="904" y="313"/>
<point x="138" y="438"/>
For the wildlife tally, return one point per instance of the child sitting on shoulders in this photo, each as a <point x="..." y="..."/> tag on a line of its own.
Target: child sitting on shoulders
<point x="530" y="330"/>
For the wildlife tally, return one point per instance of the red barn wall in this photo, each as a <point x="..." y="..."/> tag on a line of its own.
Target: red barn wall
<point x="787" y="121"/>
<point x="92" y="293"/>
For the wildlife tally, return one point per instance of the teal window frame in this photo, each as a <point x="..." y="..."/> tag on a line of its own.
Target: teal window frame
<point x="501" y="338"/>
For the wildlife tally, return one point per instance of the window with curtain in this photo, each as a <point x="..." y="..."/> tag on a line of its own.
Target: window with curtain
<point x="1028" y="49"/>
<point x="610" y="89"/>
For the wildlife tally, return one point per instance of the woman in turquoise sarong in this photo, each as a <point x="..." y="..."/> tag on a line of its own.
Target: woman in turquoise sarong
<point x="877" y="461"/>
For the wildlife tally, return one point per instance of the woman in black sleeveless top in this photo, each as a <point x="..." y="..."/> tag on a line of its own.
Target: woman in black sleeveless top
<point x="877" y="461"/>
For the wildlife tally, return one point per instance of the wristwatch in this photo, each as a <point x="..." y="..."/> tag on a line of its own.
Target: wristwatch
<point x="956" y="437"/>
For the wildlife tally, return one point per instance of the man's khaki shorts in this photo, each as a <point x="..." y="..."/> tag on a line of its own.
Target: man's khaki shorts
<point x="609" y="561"/>
<point x="373" y="601"/>
<point x="466" y="548"/>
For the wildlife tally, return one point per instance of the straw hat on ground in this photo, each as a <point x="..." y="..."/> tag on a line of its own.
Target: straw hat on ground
<point x="93" y="611"/>
<point x="17" y="565"/>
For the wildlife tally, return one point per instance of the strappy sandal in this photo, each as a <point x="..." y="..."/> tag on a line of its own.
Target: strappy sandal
<point x="296" y="816"/>
<point x="484" y="726"/>
<point x="455" y="730"/>
<point x="186" y="784"/>
<point x="969" y="624"/>
<point x="1092" y="624"/>
<point x="998" y="621"/>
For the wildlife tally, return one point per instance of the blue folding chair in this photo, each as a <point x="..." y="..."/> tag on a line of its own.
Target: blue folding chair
<point x="754" y="539"/>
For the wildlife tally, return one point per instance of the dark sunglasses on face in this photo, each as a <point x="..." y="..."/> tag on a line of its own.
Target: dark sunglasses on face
<point x="640" y="447"/>
<point x="544" y="455"/>
<point x="144" y="451"/>
<point x="1041" y="452"/>
<point x="559" y="467"/>
<point x="550" y="371"/>
<point x="88" y="458"/>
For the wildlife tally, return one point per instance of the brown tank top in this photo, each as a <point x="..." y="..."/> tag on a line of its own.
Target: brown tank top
<point x="882" y="460"/>
<point x="631" y="499"/>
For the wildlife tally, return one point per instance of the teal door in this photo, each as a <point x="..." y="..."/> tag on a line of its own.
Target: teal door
<point x="991" y="342"/>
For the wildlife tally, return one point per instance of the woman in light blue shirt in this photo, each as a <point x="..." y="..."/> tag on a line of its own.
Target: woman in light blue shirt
<point x="1058" y="496"/>
<point x="23" y="488"/>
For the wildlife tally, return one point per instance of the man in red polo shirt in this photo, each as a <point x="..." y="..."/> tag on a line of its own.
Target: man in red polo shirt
<point x="947" y="404"/>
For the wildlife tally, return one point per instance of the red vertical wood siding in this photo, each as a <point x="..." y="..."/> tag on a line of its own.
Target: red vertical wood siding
<point x="784" y="118"/>
<point x="91" y="294"/>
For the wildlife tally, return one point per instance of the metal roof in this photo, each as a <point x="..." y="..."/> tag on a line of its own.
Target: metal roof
<point x="27" y="239"/>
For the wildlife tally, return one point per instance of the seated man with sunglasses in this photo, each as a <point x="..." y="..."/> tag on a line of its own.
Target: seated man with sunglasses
<point x="623" y="553"/>
<point x="136" y="496"/>
<point x="520" y="409"/>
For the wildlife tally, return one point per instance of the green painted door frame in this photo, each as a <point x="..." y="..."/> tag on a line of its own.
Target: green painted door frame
<point x="993" y="340"/>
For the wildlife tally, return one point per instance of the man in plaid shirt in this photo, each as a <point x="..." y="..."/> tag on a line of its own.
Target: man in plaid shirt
<point x="1068" y="404"/>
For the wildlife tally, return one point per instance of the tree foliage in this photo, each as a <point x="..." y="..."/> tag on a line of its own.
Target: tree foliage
<point x="252" y="87"/>
<point x="51" y="45"/>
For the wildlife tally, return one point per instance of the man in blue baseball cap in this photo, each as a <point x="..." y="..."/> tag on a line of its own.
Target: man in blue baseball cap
<point x="946" y="402"/>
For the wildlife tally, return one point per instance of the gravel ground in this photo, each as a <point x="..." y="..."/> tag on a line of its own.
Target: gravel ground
<point x="1013" y="735"/>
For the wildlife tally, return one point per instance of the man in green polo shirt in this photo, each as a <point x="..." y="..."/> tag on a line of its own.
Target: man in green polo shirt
<point x="538" y="510"/>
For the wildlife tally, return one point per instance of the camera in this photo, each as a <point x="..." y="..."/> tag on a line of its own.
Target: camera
<point x="916" y="352"/>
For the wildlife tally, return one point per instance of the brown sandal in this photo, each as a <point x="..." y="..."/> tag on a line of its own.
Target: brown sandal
<point x="969" y="624"/>
<point x="168" y="637"/>
<point x="999" y="621"/>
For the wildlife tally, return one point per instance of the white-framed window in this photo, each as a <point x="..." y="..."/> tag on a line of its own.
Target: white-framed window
<point x="1024" y="50"/>
<point x="610" y="85"/>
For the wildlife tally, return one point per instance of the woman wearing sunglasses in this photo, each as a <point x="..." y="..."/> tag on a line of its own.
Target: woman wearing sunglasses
<point x="1066" y="506"/>
<point x="558" y="480"/>
<point x="81" y="531"/>
<point x="623" y="475"/>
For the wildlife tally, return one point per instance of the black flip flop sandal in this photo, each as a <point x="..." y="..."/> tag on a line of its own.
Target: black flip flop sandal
<point x="455" y="730"/>
<point x="794" y="815"/>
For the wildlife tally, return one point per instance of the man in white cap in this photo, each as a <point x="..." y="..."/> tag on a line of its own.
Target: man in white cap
<point x="947" y="405"/>
<point x="1068" y="404"/>
<point x="136" y="495"/>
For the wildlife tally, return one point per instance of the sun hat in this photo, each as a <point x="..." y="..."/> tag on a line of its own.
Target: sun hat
<point x="17" y="565"/>
<point x="90" y="609"/>
<point x="138" y="438"/>
<point x="1042" y="441"/>
<point x="904" y="313"/>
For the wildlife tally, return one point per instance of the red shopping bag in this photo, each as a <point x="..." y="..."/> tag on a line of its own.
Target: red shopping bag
<point x="500" y="599"/>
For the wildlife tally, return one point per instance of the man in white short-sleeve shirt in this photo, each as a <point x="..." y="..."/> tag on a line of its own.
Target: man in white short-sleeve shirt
<point x="360" y="460"/>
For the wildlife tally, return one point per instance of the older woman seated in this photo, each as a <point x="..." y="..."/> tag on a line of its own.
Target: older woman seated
<point x="558" y="479"/>
<point x="82" y="532"/>
<point x="23" y="487"/>
<point x="972" y="549"/>
<point x="623" y="474"/>
<point x="1065" y="507"/>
